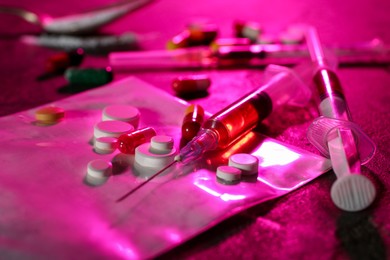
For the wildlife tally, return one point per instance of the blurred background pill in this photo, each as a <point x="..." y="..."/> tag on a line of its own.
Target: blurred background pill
<point x="185" y="85"/>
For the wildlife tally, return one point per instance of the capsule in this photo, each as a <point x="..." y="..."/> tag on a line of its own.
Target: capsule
<point x="128" y="142"/>
<point x="88" y="77"/>
<point x="192" y="122"/>
<point x="59" y="62"/>
<point x="185" y="85"/>
<point x="250" y="30"/>
<point x="181" y="40"/>
<point x="202" y="34"/>
<point x="218" y="43"/>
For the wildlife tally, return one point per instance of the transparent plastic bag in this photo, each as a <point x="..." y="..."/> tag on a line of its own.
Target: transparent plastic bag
<point x="47" y="209"/>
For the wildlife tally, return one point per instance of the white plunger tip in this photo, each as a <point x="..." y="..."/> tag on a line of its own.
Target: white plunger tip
<point x="353" y="192"/>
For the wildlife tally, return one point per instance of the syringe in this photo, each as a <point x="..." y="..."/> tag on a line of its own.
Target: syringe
<point x="228" y="125"/>
<point x="336" y="136"/>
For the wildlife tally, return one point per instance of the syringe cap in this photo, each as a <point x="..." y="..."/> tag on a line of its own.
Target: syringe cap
<point x="353" y="192"/>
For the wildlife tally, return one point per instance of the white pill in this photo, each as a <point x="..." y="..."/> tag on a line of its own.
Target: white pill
<point x="125" y="113"/>
<point x="105" y="145"/>
<point x="161" y="144"/>
<point x="247" y="163"/>
<point x="99" y="169"/>
<point x="228" y="175"/>
<point x="112" y="128"/>
<point x="145" y="158"/>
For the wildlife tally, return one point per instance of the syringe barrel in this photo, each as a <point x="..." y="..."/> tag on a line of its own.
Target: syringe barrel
<point x="282" y="86"/>
<point x="239" y="118"/>
<point x="332" y="100"/>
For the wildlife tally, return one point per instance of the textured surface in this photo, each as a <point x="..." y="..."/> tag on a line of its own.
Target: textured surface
<point x="302" y="225"/>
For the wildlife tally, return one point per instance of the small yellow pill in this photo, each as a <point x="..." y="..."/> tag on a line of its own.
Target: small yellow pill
<point x="49" y="115"/>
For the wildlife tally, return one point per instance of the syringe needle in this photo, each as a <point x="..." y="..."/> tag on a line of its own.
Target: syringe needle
<point x="145" y="182"/>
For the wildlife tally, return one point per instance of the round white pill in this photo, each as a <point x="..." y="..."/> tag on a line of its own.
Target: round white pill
<point x="105" y="145"/>
<point x="228" y="175"/>
<point x="123" y="113"/>
<point x="112" y="128"/>
<point x="161" y="144"/>
<point x="145" y="158"/>
<point x="99" y="169"/>
<point x="247" y="163"/>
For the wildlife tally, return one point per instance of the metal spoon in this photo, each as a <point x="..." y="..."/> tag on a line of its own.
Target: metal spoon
<point x="77" y="23"/>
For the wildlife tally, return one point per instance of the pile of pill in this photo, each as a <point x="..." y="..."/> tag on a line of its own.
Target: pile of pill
<point x="240" y="166"/>
<point x="118" y="130"/>
<point x="116" y="121"/>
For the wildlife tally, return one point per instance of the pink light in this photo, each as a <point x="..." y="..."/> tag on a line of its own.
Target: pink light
<point x="222" y="196"/>
<point x="173" y="235"/>
<point x="272" y="154"/>
<point x="229" y="197"/>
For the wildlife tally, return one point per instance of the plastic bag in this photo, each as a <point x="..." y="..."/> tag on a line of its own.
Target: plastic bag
<point x="47" y="210"/>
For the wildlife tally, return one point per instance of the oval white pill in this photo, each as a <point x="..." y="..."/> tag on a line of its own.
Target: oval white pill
<point x="99" y="169"/>
<point x="247" y="163"/>
<point x="145" y="158"/>
<point x="123" y="113"/>
<point x="161" y="144"/>
<point x="105" y="145"/>
<point x="112" y="128"/>
<point x="228" y="175"/>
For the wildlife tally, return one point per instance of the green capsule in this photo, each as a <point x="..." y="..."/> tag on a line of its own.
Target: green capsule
<point x="88" y="77"/>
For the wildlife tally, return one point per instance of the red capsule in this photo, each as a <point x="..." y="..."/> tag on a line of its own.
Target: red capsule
<point x="202" y="34"/>
<point x="218" y="43"/>
<point x="181" y="40"/>
<point x="250" y="30"/>
<point x="128" y="142"/>
<point x="191" y="84"/>
<point x="61" y="61"/>
<point x="192" y="121"/>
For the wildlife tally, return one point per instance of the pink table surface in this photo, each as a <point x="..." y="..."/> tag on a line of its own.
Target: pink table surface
<point x="301" y="225"/>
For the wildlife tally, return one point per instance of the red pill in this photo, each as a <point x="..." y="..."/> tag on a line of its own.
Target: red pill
<point x="191" y="84"/>
<point x="128" y="142"/>
<point x="61" y="61"/>
<point x="192" y="122"/>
